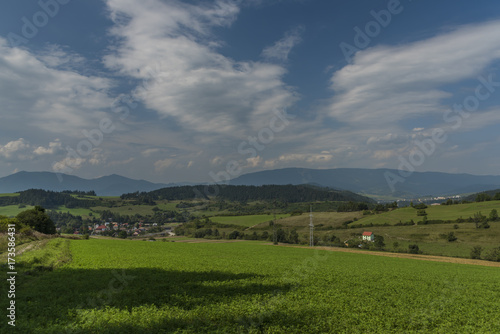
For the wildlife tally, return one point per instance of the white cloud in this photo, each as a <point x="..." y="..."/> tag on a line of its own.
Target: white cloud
<point x="281" y="49"/>
<point x="254" y="162"/>
<point x="161" y="165"/>
<point x="386" y="84"/>
<point x="311" y="158"/>
<point x="53" y="148"/>
<point x="36" y="94"/>
<point x="217" y="160"/>
<point x="150" y="151"/>
<point x="16" y="149"/>
<point x="68" y="164"/>
<point x="200" y="88"/>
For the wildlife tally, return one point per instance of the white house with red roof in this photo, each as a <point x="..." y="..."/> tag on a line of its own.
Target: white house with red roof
<point x="368" y="236"/>
<point x="101" y="229"/>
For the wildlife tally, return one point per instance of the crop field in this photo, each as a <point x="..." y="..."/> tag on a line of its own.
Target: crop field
<point x="442" y="212"/>
<point x="247" y="221"/>
<point x="121" y="286"/>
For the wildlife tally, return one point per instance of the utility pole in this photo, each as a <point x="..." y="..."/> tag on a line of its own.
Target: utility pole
<point x="275" y="239"/>
<point x="311" y="228"/>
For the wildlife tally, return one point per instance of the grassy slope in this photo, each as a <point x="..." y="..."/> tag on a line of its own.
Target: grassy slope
<point x="115" y="286"/>
<point x="9" y="195"/>
<point x="247" y="221"/>
<point x="13" y="210"/>
<point x="334" y="219"/>
<point x="427" y="237"/>
<point x="443" y="212"/>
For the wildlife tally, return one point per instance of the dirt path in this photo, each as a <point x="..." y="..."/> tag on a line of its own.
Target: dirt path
<point x="409" y="256"/>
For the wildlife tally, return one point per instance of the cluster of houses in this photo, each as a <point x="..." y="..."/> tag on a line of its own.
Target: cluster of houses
<point x="131" y="229"/>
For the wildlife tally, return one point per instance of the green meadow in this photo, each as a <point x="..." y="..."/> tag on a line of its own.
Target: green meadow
<point x="441" y="212"/>
<point x="13" y="210"/>
<point x="247" y="221"/>
<point x="121" y="286"/>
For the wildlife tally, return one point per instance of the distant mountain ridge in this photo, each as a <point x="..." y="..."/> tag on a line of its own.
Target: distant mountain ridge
<point x="112" y="185"/>
<point x="361" y="181"/>
<point x="374" y="182"/>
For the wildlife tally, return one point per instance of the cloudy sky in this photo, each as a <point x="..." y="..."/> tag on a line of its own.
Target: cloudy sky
<point x="170" y="91"/>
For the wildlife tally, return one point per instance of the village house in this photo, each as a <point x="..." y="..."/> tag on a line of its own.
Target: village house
<point x="368" y="236"/>
<point x="100" y="229"/>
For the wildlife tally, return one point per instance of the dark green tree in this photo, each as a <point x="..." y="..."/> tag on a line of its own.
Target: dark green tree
<point x="451" y="237"/>
<point x="483" y="197"/>
<point x="38" y="220"/>
<point x="293" y="237"/>
<point x="493" y="255"/>
<point x="413" y="249"/>
<point x="479" y="219"/>
<point x="379" y="241"/>
<point x="475" y="252"/>
<point x="493" y="215"/>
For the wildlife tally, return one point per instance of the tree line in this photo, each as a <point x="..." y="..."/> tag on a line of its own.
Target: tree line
<point x="283" y="193"/>
<point x="48" y="199"/>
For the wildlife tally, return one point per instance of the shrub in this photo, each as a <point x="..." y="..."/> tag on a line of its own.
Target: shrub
<point x="493" y="255"/>
<point x="475" y="252"/>
<point x="451" y="237"/>
<point x="413" y="249"/>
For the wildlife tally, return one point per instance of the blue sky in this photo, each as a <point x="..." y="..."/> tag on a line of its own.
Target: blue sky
<point x="172" y="91"/>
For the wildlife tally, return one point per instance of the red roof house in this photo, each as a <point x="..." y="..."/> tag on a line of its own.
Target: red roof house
<point x="368" y="236"/>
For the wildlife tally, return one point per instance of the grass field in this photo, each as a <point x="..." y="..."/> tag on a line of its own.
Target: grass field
<point x="9" y="195"/>
<point x="429" y="237"/>
<point x="13" y="210"/>
<point x="321" y="220"/>
<point x="443" y="212"/>
<point x="85" y="213"/>
<point x="115" y="286"/>
<point x="247" y="221"/>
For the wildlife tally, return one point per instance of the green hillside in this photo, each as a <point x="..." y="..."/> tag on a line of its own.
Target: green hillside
<point x="441" y="212"/>
<point x="247" y="221"/>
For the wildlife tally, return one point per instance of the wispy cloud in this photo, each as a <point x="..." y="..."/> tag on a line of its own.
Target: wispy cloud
<point x="195" y="85"/>
<point x="386" y="84"/>
<point x="282" y="48"/>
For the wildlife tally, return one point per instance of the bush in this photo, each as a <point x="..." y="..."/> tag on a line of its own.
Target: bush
<point x="413" y="249"/>
<point x="451" y="237"/>
<point x="493" y="255"/>
<point x="421" y="213"/>
<point x="475" y="252"/>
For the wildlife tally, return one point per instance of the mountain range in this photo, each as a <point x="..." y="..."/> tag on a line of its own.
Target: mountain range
<point x="372" y="182"/>
<point x="375" y="181"/>
<point x="112" y="185"/>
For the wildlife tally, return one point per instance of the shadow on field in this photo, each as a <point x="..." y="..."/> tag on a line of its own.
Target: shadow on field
<point x="57" y="296"/>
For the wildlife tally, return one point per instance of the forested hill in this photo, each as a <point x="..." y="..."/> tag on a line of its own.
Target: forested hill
<point x="50" y="199"/>
<point x="484" y="196"/>
<point x="284" y="193"/>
